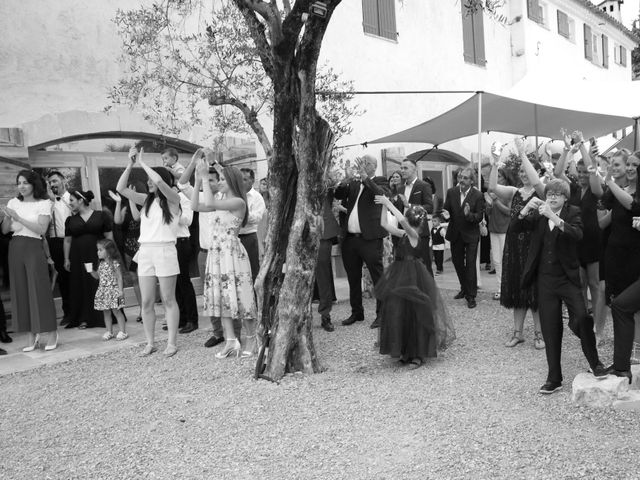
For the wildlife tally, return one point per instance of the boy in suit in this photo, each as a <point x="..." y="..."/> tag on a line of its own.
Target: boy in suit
<point x="553" y="263"/>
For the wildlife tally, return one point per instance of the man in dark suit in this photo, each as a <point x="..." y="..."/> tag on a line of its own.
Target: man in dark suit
<point x="553" y="263"/>
<point x="465" y="207"/>
<point x="417" y="192"/>
<point x="324" y="272"/>
<point x="363" y="233"/>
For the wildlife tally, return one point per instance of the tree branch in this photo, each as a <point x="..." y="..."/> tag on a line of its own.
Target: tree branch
<point x="258" y="35"/>
<point x="250" y="116"/>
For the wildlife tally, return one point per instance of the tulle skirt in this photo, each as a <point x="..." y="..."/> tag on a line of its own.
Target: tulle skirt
<point x="414" y="322"/>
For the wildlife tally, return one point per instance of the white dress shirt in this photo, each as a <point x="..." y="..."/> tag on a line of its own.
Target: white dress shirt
<point x="407" y="189"/>
<point x="257" y="207"/>
<point x="60" y="211"/>
<point x="186" y="217"/>
<point x="353" y="223"/>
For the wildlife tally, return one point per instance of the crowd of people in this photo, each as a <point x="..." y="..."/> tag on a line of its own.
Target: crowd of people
<point x="563" y="234"/>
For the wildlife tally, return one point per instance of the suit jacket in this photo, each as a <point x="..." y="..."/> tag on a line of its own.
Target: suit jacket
<point x="368" y="211"/>
<point x="330" y="228"/>
<point x="566" y="243"/>
<point x="461" y="226"/>
<point x="421" y="194"/>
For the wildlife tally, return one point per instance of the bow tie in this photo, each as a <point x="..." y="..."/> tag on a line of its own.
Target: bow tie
<point x="58" y="199"/>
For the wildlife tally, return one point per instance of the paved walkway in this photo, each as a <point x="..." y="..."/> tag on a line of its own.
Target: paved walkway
<point x="75" y="343"/>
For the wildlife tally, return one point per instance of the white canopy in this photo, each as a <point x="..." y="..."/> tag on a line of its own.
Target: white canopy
<point x="485" y="112"/>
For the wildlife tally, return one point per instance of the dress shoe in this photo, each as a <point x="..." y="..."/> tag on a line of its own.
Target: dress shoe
<point x="459" y="295"/>
<point x="618" y="373"/>
<point x="65" y="321"/>
<point x="375" y="323"/>
<point x="326" y="323"/>
<point x="351" y="320"/>
<point x="550" y="387"/>
<point x="3" y="351"/>
<point x="599" y="371"/>
<point x="188" y="328"/>
<point x="4" y="337"/>
<point x="492" y="271"/>
<point x="71" y="325"/>
<point x="213" y="341"/>
<point x="471" y="302"/>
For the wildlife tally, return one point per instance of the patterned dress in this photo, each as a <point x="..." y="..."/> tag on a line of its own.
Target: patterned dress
<point x="228" y="285"/>
<point x="516" y="249"/>
<point x="108" y="295"/>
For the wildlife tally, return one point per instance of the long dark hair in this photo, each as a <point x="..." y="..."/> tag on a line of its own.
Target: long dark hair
<point x="34" y="179"/>
<point x="394" y="188"/>
<point x="167" y="216"/>
<point x="234" y="180"/>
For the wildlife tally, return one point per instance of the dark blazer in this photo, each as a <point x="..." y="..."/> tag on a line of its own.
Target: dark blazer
<point x="461" y="226"/>
<point x="330" y="228"/>
<point x="368" y="211"/>
<point x="421" y="194"/>
<point x="566" y="243"/>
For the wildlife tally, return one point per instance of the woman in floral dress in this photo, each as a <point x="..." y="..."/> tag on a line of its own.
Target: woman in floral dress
<point x="228" y="285"/>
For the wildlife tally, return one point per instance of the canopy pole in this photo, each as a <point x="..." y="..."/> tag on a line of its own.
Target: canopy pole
<point x="478" y="271"/>
<point x="636" y="135"/>
<point x="535" y="122"/>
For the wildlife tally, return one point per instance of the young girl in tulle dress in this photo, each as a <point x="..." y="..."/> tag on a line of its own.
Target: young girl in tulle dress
<point x="414" y="323"/>
<point x="110" y="293"/>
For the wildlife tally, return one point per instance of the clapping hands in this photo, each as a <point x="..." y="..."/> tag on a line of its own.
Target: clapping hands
<point x="533" y="204"/>
<point x="636" y="223"/>
<point x="382" y="200"/>
<point x="115" y="197"/>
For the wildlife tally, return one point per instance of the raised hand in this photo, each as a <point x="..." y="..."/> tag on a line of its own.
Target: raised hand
<point x="382" y="200"/>
<point x="198" y="154"/>
<point x="519" y="142"/>
<point x="545" y="210"/>
<point x="202" y="168"/>
<point x="496" y="151"/>
<point x="114" y="196"/>
<point x="133" y="155"/>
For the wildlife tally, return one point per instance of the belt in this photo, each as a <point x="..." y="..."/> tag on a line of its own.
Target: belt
<point x="357" y="235"/>
<point x="183" y="238"/>
<point x="204" y="250"/>
<point x="246" y="234"/>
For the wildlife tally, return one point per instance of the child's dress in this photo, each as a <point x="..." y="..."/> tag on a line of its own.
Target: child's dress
<point x="108" y="295"/>
<point x="414" y="322"/>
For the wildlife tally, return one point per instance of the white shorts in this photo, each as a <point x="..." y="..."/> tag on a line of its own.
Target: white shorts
<point x="157" y="260"/>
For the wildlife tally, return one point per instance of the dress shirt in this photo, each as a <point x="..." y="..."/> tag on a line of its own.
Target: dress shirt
<point x="186" y="217"/>
<point x="60" y="211"/>
<point x="463" y="195"/>
<point x="353" y="224"/>
<point x="257" y="207"/>
<point x="407" y="189"/>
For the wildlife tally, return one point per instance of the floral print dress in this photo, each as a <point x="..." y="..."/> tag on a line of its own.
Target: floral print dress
<point x="228" y="285"/>
<point x="108" y="295"/>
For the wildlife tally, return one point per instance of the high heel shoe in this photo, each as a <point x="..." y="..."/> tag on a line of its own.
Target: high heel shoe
<point x="52" y="346"/>
<point x="36" y="342"/>
<point x="232" y="346"/>
<point x="250" y="347"/>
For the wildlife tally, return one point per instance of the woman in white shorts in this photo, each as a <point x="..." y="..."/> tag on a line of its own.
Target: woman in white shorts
<point x="157" y="257"/>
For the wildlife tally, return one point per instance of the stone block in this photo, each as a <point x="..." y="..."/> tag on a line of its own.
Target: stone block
<point x="629" y="401"/>
<point x="589" y="391"/>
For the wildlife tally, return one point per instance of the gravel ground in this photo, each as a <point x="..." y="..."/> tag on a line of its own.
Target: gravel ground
<point x="472" y="413"/>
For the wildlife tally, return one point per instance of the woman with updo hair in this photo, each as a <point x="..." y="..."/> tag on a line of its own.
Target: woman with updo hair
<point x="83" y="229"/>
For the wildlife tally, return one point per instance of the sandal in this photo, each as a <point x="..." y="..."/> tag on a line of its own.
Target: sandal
<point x="148" y="350"/>
<point x="107" y="336"/>
<point x="170" y="351"/>
<point x="122" y="336"/>
<point x="514" y="340"/>
<point x="538" y="342"/>
<point x="415" y="363"/>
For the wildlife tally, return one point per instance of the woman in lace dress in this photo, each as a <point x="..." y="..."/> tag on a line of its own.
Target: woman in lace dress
<point x="228" y="285"/>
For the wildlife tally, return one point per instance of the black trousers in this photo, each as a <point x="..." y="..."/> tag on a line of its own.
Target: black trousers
<point x="623" y="307"/>
<point x="463" y="257"/>
<point x="251" y="245"/>
<point x="57" y="255"/>
<point x="324" y="278"/>
<point x="357" y="251"/>
<point x="438" y="257"/>
<point x="552" y="291"/>
<point x="3" y="318"/>
<point x="185" y="294"/>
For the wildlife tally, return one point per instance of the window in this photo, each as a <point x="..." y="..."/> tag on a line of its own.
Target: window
<point x="537" y="11"/>
<point x="566" y="26"/>
<point x="588" y="40"/>
<point x="605" y="51"/>
<point x="620" y="55"/>
<point x="473" y="36"/>
<point x="379" y="18"/>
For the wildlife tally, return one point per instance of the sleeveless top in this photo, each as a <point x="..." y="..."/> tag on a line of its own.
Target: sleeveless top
<point x="152" y="227"/>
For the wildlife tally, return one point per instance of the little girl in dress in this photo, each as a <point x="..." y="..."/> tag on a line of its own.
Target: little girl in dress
<point x="110" y="294"/>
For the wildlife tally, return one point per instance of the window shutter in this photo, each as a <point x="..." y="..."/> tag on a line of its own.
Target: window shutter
<point x="605" y="51"/>
<point x="387" y="15"/>
<point x="588" y="45"/>
<point x="563" y="24"/>
<point x="370" y="16"/>
<point x="534" y="11"/>
<point x="467" y="36"/>
<point x="478" y="36"/>
<point x="623" y="56"/>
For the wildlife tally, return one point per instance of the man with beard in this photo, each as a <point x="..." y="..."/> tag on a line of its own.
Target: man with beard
<point x="60" y="197"/>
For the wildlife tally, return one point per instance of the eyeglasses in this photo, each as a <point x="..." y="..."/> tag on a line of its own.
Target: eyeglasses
<point x="464" y="177"/>
<point x="554" y="194"/>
